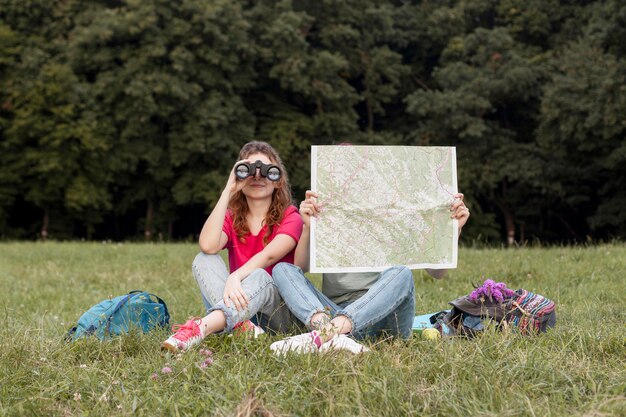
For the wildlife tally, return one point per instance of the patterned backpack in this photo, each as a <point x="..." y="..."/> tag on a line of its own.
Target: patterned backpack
<point x="530" y="312"/>
<point x="520" y="310"/>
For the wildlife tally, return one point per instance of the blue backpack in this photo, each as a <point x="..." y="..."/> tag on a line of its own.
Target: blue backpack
<point x="112" y="317"/>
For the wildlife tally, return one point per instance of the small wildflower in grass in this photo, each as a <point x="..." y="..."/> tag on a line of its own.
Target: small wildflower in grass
<point x="166" y="370"/>
<point x="207" y="362"/>
<point x="154" y="376"/>
<point x="77" y="396"/>
<point x="82" y="365"/>
<point x="206" y="352"/>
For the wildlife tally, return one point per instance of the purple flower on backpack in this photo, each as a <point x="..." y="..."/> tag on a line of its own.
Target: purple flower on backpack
<point x="492" y="291"/>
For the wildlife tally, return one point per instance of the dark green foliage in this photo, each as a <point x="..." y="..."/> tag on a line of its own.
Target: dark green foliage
<point x="583" y="128"/>
<point x="487" y="87"/>
<point x="9" y="180"/>
<point x="122" y="118"/>
<point x="60" y="154"/>
<point x="166" y="78"/>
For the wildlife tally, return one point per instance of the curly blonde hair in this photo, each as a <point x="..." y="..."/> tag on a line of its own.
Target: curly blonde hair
<point x="281" y="198"/>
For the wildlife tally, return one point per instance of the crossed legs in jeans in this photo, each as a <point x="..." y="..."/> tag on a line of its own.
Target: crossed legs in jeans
<point x="210" y="273"/>
<point x="389" y="305"/>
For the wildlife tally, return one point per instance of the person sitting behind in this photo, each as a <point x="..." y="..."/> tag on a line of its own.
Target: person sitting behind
<point x="358" y="304"/>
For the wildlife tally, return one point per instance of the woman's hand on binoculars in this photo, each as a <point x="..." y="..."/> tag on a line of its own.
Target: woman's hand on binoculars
<point x="233" y="185"/>
<point x="309" y="207"/>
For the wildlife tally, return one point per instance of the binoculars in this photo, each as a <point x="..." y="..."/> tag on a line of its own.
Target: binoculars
<point x="244" y="170"/>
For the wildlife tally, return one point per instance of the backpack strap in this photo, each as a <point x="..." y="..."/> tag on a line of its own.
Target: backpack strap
<point x="519" y="307"/>
<point x="116" y="309"/>
<point x="70" y="334"/>
<point x="166" y="318"/>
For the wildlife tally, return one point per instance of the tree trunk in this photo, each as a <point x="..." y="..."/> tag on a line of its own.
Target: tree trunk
<point x="365" y="60"/>
<point x="568" y="227"/>
<point x="510" y="228"/>
<point x="117" y="228"/>
<point x="45" y="224"/>
<point x="370" y="116"/>
<point x="318" y="105"/>
<point x="509" y="221"/>
<point x="147" y="232"/>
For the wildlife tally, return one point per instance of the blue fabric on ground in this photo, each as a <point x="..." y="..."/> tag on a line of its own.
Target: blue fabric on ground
<point x="423" y="321"/>
<point x="473" y="322"/>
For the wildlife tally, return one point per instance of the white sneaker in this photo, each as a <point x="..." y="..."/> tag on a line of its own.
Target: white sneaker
<point x="343" y="342"/>
<point x="303" y="343"/>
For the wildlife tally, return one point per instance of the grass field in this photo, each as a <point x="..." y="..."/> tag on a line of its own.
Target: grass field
<point x="578" y="368"/>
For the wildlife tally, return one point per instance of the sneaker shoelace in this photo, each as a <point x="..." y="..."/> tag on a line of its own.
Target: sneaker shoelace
<point x="186" y="331"/>
<point x="316" y="339"/>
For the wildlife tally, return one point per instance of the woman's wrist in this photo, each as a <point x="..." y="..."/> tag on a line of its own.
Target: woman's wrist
<point x="226" y="193"/>
<point x="235" y="275"/>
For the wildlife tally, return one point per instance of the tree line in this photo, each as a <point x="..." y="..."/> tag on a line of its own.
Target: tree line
<point x="122" y="118"/>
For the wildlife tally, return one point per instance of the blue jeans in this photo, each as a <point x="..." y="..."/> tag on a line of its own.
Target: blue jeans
<point x="389" y="305"/>
<point x="266" y="308"/>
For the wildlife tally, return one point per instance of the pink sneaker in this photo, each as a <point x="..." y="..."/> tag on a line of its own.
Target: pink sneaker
<point x="248" y="329"/>
<point x="186" y="336"/>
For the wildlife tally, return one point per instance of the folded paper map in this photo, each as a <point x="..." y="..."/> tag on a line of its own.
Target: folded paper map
<point x="383" y="206"/>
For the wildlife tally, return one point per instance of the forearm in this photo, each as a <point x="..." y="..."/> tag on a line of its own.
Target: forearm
<point x="437" y="273"/>
<point x="302" y="255"/>
<point x="212" y="230"/>
<point x="261" y="260"/>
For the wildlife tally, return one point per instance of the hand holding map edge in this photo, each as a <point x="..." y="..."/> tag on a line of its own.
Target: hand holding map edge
<point x="460" y="210"/>
<point x="309" y="207"/>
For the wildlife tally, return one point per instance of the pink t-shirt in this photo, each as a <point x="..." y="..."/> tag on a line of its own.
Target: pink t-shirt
<point x="240" y="252"/>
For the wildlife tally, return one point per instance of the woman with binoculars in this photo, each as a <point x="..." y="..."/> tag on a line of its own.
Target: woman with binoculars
<point x="254" y="219"/>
